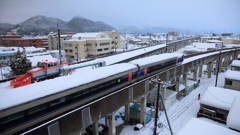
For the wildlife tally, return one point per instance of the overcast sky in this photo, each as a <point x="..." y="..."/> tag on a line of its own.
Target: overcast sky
<point x="191" y="15"/>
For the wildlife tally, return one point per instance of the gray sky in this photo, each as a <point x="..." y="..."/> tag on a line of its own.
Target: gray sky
<point x="191" y="15"/>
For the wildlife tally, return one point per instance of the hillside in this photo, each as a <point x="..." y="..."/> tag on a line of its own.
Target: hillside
<point x="43" y="25"/>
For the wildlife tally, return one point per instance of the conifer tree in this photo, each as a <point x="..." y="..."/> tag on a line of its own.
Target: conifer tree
<point x="19" y="63"/>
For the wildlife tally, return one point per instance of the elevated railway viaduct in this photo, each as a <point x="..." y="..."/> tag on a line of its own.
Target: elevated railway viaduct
<point x="78" y="119"/>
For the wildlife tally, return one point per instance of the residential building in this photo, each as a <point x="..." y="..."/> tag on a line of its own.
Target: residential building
<point x="235" y="66"/>
<point x="53" y="39"/>
<point x="213" y="108"/>
<point x="87" y="45"/>
<point x="173" y="33"/>
<point x="232" y="80"/>
<point x="12" y="40"/>
<point x="205" y="39"/>
<point x="218" y="43"/>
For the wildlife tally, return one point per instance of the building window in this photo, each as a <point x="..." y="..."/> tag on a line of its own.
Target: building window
<point x="105" y="48"/>
<point x="102" y="44"/>
<point x="102" y="36"/>
<point x="70" y="50"/>
<point x="66" y="50"/>
<point x="70" y="45"/>
<point x="99" y="50"/>
<point x="116" y="37"/>
<point x="112" y="42"/>
<point x="89" y="44"/>
<point x="95" y="44"/>
<point x="65" y="44"/>
<point x="228" y="82"/>
<point x="112" y="47"/>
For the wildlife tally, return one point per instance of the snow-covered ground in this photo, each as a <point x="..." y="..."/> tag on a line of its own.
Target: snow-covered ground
<point x="180" y="112"/>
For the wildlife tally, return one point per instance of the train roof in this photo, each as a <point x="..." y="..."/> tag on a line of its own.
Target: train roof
<point x="13" y="97"/>
<point x="155" y="58"/>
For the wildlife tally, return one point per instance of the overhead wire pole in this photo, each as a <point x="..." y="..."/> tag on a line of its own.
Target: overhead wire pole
<point x="217" y="68"/>
<point x="159" y="95"/>
<point x="59" y="44"/>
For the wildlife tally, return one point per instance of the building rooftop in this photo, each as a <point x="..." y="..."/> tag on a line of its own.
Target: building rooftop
<point x="199" y="127"/>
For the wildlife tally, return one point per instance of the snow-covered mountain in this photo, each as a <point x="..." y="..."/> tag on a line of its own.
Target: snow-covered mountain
<point x="43" y="25"/>
<point x="4" y="27"/>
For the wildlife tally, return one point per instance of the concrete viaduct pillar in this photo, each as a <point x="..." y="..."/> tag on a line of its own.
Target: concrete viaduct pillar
<point x="111" y="121"/>
<point x="200" y="71"/>
<point x="209" y="68"/>
<point x="220" y="66"/>
<point x="143" y="111"/>
<point x="195" y="74"/>
<point x="95" y="128"/>
<point x="185" y="80"/>
<point x="177" y="83"/>
<point x="127" y="112"/>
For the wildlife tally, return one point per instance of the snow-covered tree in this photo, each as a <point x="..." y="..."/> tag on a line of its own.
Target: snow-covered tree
<point x="19" y="63"/>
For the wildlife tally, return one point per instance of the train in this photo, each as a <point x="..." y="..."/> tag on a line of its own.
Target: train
<point x="45" y="100"/>
<point x="48" y="70"/>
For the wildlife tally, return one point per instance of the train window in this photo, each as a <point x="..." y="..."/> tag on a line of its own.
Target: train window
<point x="100" y="86"/>
<point x="57" y="101"/>
<point x="77" y="94"/>
<point x="113" y="82"/>
<point x="37" y="108"/>
<point x="133" y="75"/>
<point x="94" y="88"/>
<point x="107" y="84"/>
<point x="85" y="92"/>
<point x="12" y="117"/>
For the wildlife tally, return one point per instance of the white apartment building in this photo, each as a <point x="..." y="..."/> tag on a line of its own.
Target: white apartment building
<point x="86" y="45"/>
<point x="53" y="40"/>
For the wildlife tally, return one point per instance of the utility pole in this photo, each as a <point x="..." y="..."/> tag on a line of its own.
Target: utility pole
<point x="217" y="68"/>
<point x="159" y="95"/>
<point x="59" y="43"/>
<point x="126" y="40"/>
<point x="166" y="42"/>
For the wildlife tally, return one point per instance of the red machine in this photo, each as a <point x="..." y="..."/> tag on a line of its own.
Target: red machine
<point x="43" y="71"/>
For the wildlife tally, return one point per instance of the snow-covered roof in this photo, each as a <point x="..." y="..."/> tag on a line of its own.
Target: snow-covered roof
<point x="233" y="118"/>
<point x="75" y="40"/>
<point x="233" y="75"/>
<point x="214" y="41"/>
<point x="86" y="35"/>
<point x="12" y="97"/>
<point x="219" y="97"/>
<point x="236" y="63"/>
<point x="155" y="58"/>
<point x="199" y="127"/>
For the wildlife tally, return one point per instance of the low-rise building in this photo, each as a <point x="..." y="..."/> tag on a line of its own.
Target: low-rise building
<point x="216" y="103"/>
<point x="235" y="66"/>
<point x="232" y="80"/>
<point x="218" y="43"/>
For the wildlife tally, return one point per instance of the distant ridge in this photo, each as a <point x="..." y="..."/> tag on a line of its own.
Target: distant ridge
<point x="43" y="25"/>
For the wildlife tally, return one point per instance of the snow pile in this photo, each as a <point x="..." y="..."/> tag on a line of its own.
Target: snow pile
<point x="219" y="97"/>
<point x="233" y="75"/>
<point x="233" y="118"/>
<point x="199" y="127"/>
